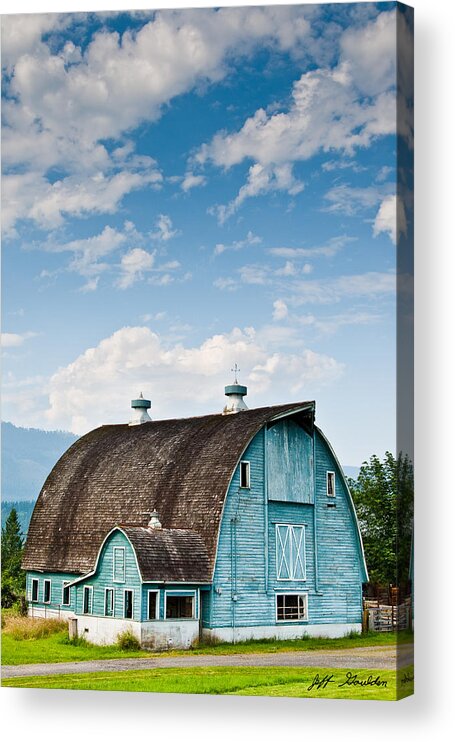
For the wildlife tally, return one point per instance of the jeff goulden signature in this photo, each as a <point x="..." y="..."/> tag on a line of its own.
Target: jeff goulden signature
<point x="351" y="679"/>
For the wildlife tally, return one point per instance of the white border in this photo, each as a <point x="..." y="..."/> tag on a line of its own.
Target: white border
<point x="290" y="526"/>
<point x="186" y="593"/>
<point x="34" y="579"/>
<point x="328" y="473"/>
<point x="248" y="474"/>
<point x="125" y="591"/>
<point x="157" y="605"/>
<point x="114" y="549"/>
<point x="66" y="583"/>
<point x="106" y="615"/>
<point x="47" y="602"/>
<point x="90" y="612"/>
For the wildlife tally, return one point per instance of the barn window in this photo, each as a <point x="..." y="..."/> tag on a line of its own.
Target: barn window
<point x="66" y="594"/>
<point x="87" y="600"/>
<point x="290" y="552"/>
<point x="180" y="606"/>
<point x="109" y="602"/>
<point x="128" y="604"/>
<point x="35" y="585"/>
<point x="47" y="591"/>
<point x="330" y="484"/>
<point x="292" y="607"/>
<point x="119" y="564"/>
<point x="152" y="605"/>
<point x="245" y="474"/>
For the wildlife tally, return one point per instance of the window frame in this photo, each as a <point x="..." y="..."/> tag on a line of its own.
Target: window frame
<point x="125" y="591"/>
<point x="157" y="605"/>
<point x="293" y="594"/>
<point x="35" y="581"/>
<point x="182" y="594"/>
<point x="47" y="582"/>
<point x="65" y="584"/>
<point x="114" y="550"/>
<point x="330" y="475"/>
<point x="301" y="551"/>
<point x="247" y="469"/>
<point x="89" y="612"/>
<point x="112" y="591"/>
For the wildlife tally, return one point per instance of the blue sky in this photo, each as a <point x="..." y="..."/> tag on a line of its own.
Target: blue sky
<point x="185" y="190"/>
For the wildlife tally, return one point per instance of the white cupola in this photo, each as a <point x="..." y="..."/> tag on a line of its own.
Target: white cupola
<point x="235" y="393"/>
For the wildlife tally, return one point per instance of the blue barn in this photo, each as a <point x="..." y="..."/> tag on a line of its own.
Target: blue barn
<point x="231" y="526"/>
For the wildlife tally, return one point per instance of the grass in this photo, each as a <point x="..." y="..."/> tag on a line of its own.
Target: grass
<point x="304" y="682"/>
<point x="28" y="641"/>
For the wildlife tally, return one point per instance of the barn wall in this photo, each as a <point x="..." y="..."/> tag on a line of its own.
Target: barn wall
<point x="245" y="579"/>
<point x="55" y="607"/>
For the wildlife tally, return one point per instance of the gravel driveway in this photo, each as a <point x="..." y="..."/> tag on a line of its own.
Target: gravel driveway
<point x="368" y="658"/>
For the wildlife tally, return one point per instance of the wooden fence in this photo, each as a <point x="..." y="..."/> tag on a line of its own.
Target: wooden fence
<point x="382" y="617"/>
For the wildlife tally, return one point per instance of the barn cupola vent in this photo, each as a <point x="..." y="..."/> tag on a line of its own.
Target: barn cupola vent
<point x="235" y="393"/>
<point x="154" y="521"/>
<point x="140" y="414"/>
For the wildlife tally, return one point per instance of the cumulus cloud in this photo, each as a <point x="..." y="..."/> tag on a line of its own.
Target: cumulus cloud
<point x="15" y="340"/>
<point x="250" y="239"/>
<point x="391" y="218"/>
<point x="192" y="181"/>
<point x="280" y="310"/>
<point x="164" y="231"/>
<point x="64" y="103"/>
<point x="133" y="266"/>
<point x="331" y="109"/>
<point x="328" y="291"/>
<point x="96" y="388"/>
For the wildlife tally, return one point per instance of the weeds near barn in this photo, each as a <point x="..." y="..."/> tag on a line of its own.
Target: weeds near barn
<point x="24" y="627"/>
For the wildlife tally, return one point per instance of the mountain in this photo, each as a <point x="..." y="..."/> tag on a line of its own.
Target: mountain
<point x="28" y="455"/>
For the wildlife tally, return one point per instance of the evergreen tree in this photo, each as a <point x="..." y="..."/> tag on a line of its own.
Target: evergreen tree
<point x="13" y="577"/>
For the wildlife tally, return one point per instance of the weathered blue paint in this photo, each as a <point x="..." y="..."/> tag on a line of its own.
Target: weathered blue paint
<point x="57" y="580"/>
<point x="288" y="475"/>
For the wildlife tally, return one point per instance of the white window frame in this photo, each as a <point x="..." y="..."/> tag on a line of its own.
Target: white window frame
<point x="247" y="465"/>
<point x="291" y="620"/>
<point x="122" y="549"/>
<point x="50" y="592"/>
<point x="125" y="591"/>
<point x="181" y="594"/>
<point x="90" y="601"/>
<point x="330" y="474"/>
<point x="301" y="551"/>
<point x="106" y="590"/>
<point x="65" y="584"/>
<point x="157" y="605"/>
<point x="34" y="580"/>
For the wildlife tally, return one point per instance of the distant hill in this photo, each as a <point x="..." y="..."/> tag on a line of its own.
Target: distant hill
<point x="28" y="455"/>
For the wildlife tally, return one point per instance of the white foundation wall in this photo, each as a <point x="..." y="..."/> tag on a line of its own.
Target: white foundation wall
<point x="169" y="634"/>
<point x="99" y="630"/>
<point x="35" y="611"/>
<point x="245" y="633"/>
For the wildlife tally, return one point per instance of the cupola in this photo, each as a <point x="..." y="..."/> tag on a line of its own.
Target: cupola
<point x="140" y="414"/>
<point x="235" y="393"/>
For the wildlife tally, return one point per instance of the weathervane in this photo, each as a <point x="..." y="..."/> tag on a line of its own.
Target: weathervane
<point x="235" y="371"/>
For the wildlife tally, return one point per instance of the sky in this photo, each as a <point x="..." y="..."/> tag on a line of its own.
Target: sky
<point x="187" y="190"/>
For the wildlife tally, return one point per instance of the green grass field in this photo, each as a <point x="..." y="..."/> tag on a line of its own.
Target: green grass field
<point x="305" y="682"/>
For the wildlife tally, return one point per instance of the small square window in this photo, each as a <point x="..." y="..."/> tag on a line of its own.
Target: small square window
<point x="47" y="591"/>
<point x="330" y="484"/>
<point x="291" y="607"/>
<point x="35" y="585"/>
<point x="245" y="474"/>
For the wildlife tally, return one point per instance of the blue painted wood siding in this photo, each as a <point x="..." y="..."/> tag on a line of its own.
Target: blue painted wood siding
<point x="245" y="578"/>
<point x="57" y="579"/>
<point x="104" y="578"/>
<point x="289" y="463"/>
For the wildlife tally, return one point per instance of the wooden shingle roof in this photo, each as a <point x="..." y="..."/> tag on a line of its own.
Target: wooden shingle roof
<point x="119" y="474"/>
<point x="169" y="555"/>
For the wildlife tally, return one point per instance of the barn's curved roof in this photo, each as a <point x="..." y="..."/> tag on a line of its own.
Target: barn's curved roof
<point x="120" y="473"/>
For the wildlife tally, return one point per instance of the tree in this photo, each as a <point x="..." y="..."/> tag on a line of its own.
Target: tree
<point x="13" y="577"/>
<point x="383" y="495"/>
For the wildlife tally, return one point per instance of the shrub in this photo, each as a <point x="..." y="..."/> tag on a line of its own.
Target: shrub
<point x="25" y="627"/>
<point x="127" y="641"/>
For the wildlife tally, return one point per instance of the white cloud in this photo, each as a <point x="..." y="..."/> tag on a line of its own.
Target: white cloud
<point x="331" y="248"/>
<point x="331" y="110"/>
<point x="348" y="200"/>
<point x="164" y="231"/>
<point x="133" y="266"/>
<point x="280" y="310"/>
<point x="192" y="181"/>
<point x="96" y="388"/>
<point x="328" y="291"/>
<point x="250" y="239"/>
<point x="62" y="104"/>
<point x="391" y="218"/>
<point x="15" y="340"/>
